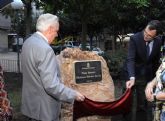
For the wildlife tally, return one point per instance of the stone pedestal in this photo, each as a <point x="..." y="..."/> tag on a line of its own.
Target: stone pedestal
<point x="102" y="90"/>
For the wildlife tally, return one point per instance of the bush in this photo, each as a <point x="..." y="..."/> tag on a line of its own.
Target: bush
<point x="115" y="62"/>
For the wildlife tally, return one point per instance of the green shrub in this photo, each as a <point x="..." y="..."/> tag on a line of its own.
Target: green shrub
<point x="115" y="61"/>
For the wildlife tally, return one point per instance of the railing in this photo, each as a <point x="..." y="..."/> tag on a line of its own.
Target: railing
<point x="9" y="65"/>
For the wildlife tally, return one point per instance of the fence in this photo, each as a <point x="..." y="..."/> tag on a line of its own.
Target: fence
<point x="9" y="65"/>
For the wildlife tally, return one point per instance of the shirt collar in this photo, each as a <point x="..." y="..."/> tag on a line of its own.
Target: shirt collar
<point x="149" y="42"/>
<point x="42" y="35"/>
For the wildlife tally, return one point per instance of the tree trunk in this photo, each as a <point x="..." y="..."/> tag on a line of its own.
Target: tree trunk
<point x="28" y="18"/>
<point x="83" y="34"/>
<point x="114" y="40"/>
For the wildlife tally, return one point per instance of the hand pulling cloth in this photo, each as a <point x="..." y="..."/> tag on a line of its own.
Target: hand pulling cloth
<point x="89" y="107"/>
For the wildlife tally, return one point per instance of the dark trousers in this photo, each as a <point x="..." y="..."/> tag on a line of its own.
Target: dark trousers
<point x="141" y="108"/>
<point x="29" y="119"/>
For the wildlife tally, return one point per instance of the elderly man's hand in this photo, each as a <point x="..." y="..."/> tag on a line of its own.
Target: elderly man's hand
<point x="79" y="96"/>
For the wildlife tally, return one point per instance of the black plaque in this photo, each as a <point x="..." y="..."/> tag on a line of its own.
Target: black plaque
<point x="88" y="71"/>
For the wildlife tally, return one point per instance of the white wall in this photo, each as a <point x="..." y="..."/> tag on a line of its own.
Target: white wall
<point x="5" y="25"/>
<point x="3" y="41"/>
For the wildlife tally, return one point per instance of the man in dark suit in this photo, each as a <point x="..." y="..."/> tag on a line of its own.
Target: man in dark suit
<point x="142" y="63"/>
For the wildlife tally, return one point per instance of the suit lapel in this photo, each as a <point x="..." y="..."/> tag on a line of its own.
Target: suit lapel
<point x="142" y="46"/>
<point x="153" y="48"/>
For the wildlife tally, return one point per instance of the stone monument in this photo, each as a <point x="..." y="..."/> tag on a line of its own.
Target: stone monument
<point x="88" y="73"/>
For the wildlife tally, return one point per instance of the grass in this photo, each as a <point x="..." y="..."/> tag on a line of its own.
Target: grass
<point x="16" y="99"/>
<point x="13" y="83"/>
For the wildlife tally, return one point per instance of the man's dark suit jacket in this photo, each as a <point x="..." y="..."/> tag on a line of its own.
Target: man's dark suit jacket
<point x="137" y="64"/>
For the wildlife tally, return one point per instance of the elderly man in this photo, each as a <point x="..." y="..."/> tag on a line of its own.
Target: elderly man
<point x="42" y="90"/>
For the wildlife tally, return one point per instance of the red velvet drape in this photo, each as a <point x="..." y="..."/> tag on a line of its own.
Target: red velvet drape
<point x="89" y="107"/>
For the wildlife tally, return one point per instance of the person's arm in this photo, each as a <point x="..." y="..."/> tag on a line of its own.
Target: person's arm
<point x="158" y="75"/>
<point x="160" y="96"/>
<point x="49" y="73"/>
<point x="131" y="64"/>
<point x="149" y="90"/>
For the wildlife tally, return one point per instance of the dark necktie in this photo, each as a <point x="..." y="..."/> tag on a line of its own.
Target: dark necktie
<point x="148" y="49"/>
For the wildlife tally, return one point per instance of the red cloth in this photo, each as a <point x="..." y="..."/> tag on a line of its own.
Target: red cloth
<point x="89" y="107"/>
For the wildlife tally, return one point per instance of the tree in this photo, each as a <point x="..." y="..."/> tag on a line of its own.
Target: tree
<point x="83" y="11"/>
<point x="120" y="16"/>
<point x="28" y="13"/>
<point x="92" y="16"/>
